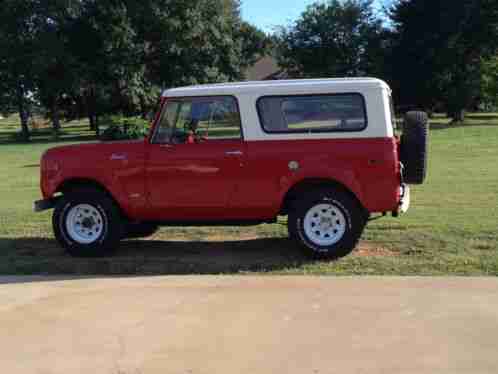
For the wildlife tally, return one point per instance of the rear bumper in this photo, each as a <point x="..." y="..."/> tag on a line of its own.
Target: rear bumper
<point x="404" y="203"/>
<point x="42" y="205"/>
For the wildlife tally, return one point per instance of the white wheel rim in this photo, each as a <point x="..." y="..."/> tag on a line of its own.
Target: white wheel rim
<point x="325" y="224"/>
<point x="84" y="224"/>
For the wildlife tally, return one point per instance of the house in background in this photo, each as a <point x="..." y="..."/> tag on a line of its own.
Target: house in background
<point x="266" y="68"/>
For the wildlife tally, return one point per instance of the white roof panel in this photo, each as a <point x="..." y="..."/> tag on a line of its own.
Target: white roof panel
<point x="278" y="87"/>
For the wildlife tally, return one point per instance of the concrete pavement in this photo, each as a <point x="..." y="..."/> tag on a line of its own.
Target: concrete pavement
<point x="249" y="325"/>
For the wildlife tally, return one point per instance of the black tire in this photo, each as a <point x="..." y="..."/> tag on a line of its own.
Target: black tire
<point x="355" y="222"/>
<point x="112" y="226"/>
<point x="140" y="230"/>
<point x="414" y="147"/>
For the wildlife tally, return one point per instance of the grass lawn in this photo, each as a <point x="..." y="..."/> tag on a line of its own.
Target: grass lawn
<point x="450" y="229"/>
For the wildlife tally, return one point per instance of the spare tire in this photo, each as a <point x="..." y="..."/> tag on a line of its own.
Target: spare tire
<point x="413" y="147"/>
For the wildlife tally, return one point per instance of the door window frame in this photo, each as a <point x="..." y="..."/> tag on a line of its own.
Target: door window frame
<point x="165" y="102"/>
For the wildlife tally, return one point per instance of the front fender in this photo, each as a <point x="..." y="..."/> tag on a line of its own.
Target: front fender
<point x="109" y="183"/>
<point x="116" y="167"/>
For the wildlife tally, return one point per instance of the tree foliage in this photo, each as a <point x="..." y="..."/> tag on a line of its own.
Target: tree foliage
<point x="333" y="39"/>
<point x="91" y="57"/>
<point x="434" y="53"/>
<point x="489" y="83"/>
<point x="438" y="48"/>
<point x="17" y="55"/>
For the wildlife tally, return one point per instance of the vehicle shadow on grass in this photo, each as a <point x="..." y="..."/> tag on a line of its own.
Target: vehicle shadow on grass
<point x="35" y="256"/>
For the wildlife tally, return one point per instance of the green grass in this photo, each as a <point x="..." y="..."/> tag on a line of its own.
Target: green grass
<point x="450" y="229"/>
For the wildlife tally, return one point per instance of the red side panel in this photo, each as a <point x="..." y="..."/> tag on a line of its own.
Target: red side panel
<point x="367" y="167"/>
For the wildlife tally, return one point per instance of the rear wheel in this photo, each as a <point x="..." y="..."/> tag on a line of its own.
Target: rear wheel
<point x="87" y="223"/>
<point x="327" y="223"/>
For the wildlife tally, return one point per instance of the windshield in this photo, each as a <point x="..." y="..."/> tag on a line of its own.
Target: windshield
<point x="164" y="127"/>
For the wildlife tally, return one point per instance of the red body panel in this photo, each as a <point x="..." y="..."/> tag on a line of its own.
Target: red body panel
<point x="368" y="168"/>
<point x="119" y="167"/>
<point x="192" y="181"/>
<point x="222" y="180"/>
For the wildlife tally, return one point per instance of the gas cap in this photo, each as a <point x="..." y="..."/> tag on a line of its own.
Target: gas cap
<point x="293" y="165"/>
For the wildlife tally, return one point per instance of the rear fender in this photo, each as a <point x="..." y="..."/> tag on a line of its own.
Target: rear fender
<point x="342" y="178"/>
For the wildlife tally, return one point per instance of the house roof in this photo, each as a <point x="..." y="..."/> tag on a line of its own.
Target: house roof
<point x="263" y="69"/>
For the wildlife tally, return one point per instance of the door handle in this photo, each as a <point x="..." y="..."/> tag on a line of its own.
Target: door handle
<point x="234" y="153"/>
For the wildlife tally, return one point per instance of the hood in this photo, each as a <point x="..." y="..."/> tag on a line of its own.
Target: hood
<point x="97" y="155"/>
<point x="95" y="149"/>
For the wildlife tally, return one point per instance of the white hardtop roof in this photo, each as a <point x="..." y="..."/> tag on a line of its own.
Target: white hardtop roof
<point x="279" y="86"/>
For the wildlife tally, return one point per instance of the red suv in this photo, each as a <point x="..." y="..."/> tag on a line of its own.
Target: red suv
<point x="322" y="152"/>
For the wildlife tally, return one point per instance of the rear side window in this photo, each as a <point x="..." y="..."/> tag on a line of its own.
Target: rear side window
<point x="312" y="113"/>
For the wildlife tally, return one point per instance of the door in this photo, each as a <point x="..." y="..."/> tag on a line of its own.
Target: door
<point x="195" y="159"/>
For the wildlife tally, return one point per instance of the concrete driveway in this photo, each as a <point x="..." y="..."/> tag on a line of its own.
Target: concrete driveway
<point x="249" y="325"/>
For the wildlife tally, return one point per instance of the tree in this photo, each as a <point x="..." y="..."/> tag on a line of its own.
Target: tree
<point x="56" y="69"/>
<point x="489" y="83"/>
<point x="333" y="39"/>
<point x="254" y="43"/>
<point x="107" y="57"/>
<point x="101" y="57"/>
<point x="188" y="42"/>
<point x="438" y="50"/>
<point x="17" y="52"/>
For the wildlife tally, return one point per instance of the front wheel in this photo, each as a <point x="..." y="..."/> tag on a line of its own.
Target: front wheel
<point x="327" y="224"/>
<point x="87" y="223"/>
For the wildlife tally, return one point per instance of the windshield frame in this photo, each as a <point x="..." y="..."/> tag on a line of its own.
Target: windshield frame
<point x="159" y="117"/>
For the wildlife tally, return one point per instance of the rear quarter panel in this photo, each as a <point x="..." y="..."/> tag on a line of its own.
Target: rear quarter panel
<point x="367" y="167"/>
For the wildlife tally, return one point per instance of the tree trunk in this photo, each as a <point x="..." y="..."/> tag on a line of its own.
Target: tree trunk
<point x="97" y="125"/>
<point x="55" y="118"/>
<point x="23" y="114"/>
<point x="91" y="104"/>
<point x="143" y="107"/>
<point x="458" y="115"/>
<point x="91" y="120"/>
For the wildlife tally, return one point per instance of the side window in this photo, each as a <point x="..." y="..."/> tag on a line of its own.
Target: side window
<point x="219" y="118"/>
<point x="184" y="115"/>
<point x="313" y="113"/>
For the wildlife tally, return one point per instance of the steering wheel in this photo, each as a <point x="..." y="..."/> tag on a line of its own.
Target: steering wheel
<point x="191" y="128"/>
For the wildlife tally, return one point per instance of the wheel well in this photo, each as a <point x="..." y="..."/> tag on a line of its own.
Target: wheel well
<point x="310" y="184"/>
<point x="72" y="184"/>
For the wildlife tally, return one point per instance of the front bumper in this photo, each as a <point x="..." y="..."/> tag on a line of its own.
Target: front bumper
<point x="42" y="205"/>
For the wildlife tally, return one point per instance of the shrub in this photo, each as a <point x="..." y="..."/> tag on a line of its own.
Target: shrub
<point x="125" y="129"/>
